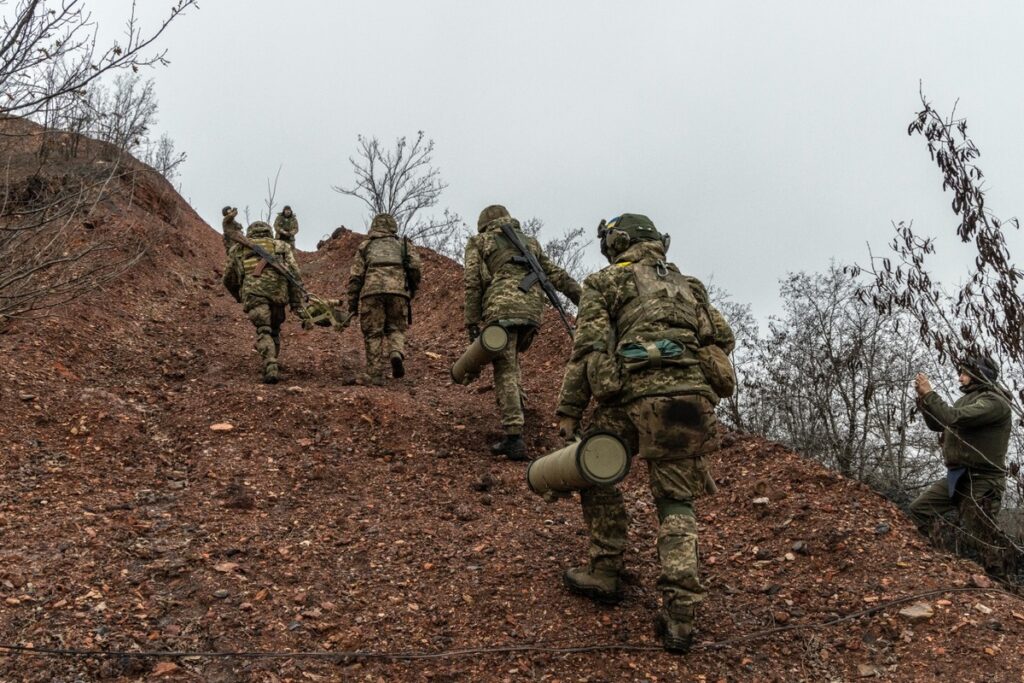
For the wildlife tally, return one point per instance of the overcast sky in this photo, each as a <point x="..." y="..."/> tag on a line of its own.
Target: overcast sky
<point x="764" y="137"/>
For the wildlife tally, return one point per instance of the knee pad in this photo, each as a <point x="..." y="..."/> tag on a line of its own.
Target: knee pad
<point x="671" y="506"/>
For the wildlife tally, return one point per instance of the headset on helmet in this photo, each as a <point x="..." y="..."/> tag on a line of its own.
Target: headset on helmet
<point x="617" y="234"/>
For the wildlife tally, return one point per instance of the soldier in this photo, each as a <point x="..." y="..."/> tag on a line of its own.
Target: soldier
<point x="264" y="291"/>
<point x="975" y="435"/>
<point x="492" y="276"/>
<point x="229" y="226"/>
<point x="645" y="337"/>
<point x="382" y="282"/>
<point x="286" y="225"/>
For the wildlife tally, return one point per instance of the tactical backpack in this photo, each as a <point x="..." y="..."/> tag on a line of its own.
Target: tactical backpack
<point x="666" y="300"/>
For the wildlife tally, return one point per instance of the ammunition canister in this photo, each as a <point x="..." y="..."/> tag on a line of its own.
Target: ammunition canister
<point x="599" y="458"/>
<point x="488" y="344"/>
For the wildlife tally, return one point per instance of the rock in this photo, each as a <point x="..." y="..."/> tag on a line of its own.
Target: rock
<point x="790" y="557"/>
<point x="221" y="594"/>
<point x="486" y="499"/>
<point x="26" y="396"/>
<point x="222" y="427"/>
<point x="781" y="617"/>
<point x="868" y="670"/>
<point x="984" y="609"/>
<point x="763" y="500"/>
<point x="484" y="483"/>
<point x="800" y="547"/>
<point x="882" y="529"/>
<point x="296" y="389"/>
<point x="981" y="581"/>
<point x="919" y="611"/>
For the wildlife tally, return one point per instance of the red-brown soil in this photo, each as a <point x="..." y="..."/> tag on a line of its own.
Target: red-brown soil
<point x="336" y="517"/>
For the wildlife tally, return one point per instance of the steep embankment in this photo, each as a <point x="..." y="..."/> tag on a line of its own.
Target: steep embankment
<point x="334" y="517"/>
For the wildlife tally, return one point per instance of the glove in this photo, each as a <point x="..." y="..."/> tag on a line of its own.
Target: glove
<point x="567" y="427"/>
<point x="473" y="331"/>
<point x="353" y="306"/>
<point x="574" y="297"/>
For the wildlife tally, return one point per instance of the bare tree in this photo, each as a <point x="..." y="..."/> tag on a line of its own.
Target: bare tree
<point x="833" y="379"/>
<point x="736" y="409"/>
<point x="162" y="156"/>
<point x="270" y="201"/>
<point x="49" y="58"/>
<point x="48" y="53"/>
<point x="403" y="182"/>
<point x="123" y="115"/>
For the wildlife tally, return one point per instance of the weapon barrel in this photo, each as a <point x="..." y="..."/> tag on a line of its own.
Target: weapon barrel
<point x="490" y="342"/>
<point x="599" y="458"/>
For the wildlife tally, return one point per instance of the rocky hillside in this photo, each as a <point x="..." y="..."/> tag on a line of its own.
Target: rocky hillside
<point x="155" y="496"/>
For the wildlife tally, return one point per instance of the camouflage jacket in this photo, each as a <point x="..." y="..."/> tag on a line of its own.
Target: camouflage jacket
<point x="256" y="280"/>
<point x="617" y="325"/>
<point x="285" y="227"/>
<point x="492" y="279"/>
<point x="230" y="226"/>
<point x="975" y="429"/>
<point x="384" y="263"/>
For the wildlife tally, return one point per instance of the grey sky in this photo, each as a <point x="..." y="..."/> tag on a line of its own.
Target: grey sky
<point x="765" y="137"/>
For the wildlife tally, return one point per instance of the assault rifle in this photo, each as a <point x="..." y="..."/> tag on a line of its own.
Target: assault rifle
<point x="323" y="305"/>
<point x="408" y="285"/>
<point x="536" y="274"/>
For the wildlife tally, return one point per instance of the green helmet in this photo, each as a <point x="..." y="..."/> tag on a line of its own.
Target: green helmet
<point x="225" y="211"/>
<point x="491" y="213"/>
<point x="259" y="229"/>
<point x="384" y="221"/>
<point x="617" y="234"/>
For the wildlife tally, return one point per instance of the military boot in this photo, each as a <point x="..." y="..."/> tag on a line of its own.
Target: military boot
<point x="512" y="446"/>
<point x="675" y="628"/>
<point x="597" y="583"/>
<point x="397" y="366"/>
<point x="270" y="375"/>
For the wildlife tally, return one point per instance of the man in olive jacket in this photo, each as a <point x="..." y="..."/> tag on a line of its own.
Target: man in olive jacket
<point x="975" y="434"/>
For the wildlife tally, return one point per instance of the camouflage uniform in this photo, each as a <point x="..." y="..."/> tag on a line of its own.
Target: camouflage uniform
<point x="229" y="226"/>
<point x="493" y="296"/>
<point x="639" y="327"/>
<point x="382" y="282"/>
<point x="264" y="291"/>
<point x="286" y="225"/>
<point x="975" y="435"/>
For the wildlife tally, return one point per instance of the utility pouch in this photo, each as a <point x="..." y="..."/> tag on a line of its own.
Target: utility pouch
<point x="604" y="376"/>
<point x="655" y="354"/>
<point x="717" y="369"/>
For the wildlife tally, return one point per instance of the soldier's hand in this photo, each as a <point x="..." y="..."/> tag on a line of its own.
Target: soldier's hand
<point x="922" y="385"/>
<point x="567" y="427"/>
<point x="472" y="331"/>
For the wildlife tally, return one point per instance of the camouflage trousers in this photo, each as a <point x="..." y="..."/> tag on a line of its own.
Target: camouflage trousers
<point x="383" y="320"/>
<point x="267" y="317"/>
<point x="672" y="434"/>
<point x="977" y="498"/>
<point x="508" y="386"/>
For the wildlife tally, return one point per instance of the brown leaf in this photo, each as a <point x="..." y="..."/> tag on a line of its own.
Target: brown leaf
<point x="164" y="668"/>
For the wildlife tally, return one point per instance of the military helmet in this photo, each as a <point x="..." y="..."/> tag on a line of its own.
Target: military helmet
<point x="617" y="234"/>
<point x="384" y="221"/>
<point x="259" y="229"/>
<point x="287" y="208"/>
<point x="491" y="213"/>
<point x="981" y="367"/>
<point x="226" y="210"/>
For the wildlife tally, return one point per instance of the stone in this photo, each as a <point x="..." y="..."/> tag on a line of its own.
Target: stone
<point x="919" y="611"/>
